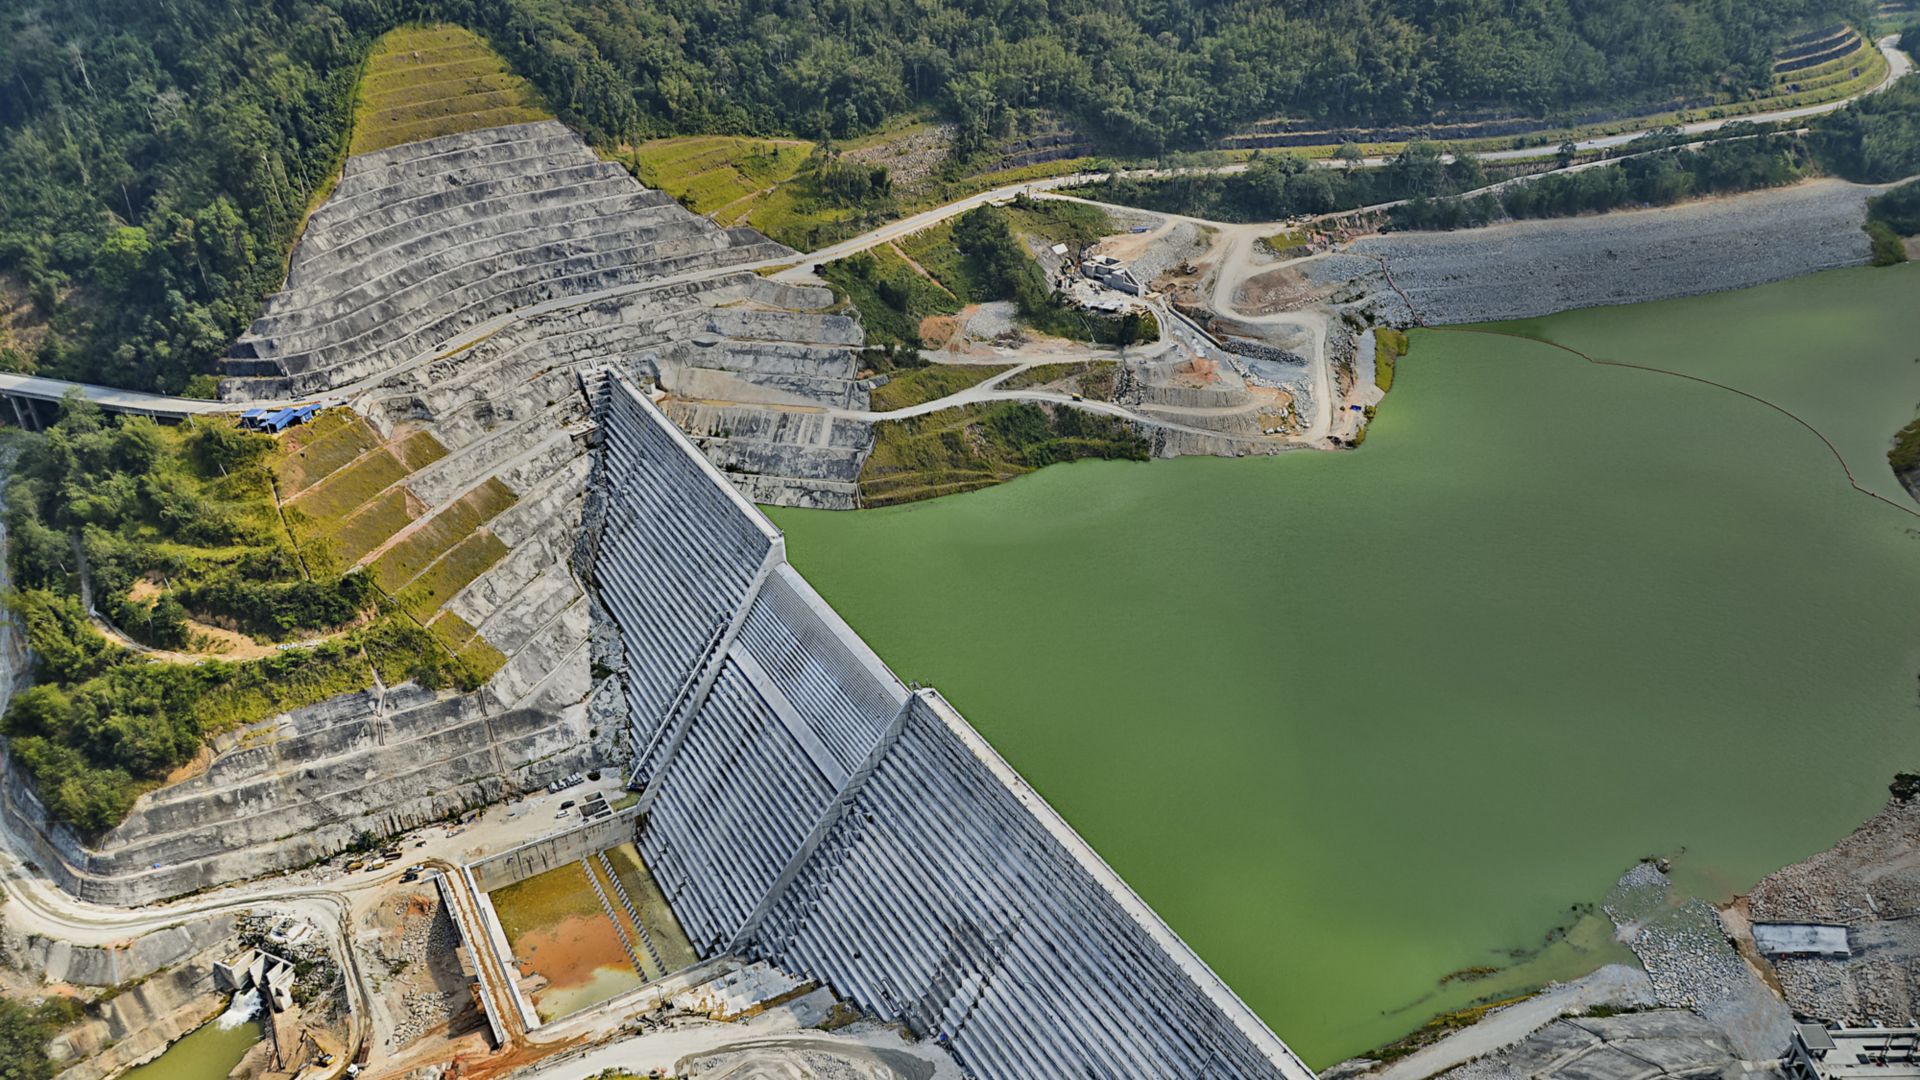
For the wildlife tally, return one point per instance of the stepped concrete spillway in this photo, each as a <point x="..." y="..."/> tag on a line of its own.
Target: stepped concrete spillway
<point x="804" y="807"/>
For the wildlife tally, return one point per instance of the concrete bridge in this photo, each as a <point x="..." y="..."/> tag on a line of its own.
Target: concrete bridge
<point x="33" y="401"/>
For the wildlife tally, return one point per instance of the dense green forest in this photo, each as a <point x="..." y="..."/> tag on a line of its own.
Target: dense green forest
<point x="156" y="158"/>
<point x="155" y="527"/>
<point x="25" y="1030"/>
<point x="1873" y="140"/>
<point x="1279" y="185"/>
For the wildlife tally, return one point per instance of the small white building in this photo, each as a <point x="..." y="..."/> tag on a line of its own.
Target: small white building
<point x="1801" y="940"/>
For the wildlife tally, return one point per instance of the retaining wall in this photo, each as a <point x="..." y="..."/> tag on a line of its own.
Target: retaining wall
<point x="548" y="852"/>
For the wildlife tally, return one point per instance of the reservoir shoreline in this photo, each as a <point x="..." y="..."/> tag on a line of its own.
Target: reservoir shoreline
<point x="1689" y="573"/>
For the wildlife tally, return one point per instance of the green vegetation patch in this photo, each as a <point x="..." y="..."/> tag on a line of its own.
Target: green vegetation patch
<point x="312" y="451"/>
<point x="172" y="525"/>
<point x="936" y="252"/>
<point x="364" y="530"/>
<point x="892" y="297"/>
<point x="786" y="188"/>
<point x="1389" y="345"/>
<point x="975" y="446"/>
<point x="1057" y="221"/>
<point x="1890" y="218"/>
<point x="330" y="501"/>
<point x="422" y="82"/>
<point x="451" y="629"/>
<point x="419" y="450"/>
<point x="978" y="257"/>
<point x="930" y="383"/>
<point x="1905" y="454"/>
<point x="1290" y="244"/>
<point x="405" y="560"/>
<point x="1898" y="208"/>
<point x="452" y="572"/>
<point x="25" y="1030"/>
<point x="1096" y="380"/>
<point x="479" y="660"/>
<point x="710" y="172"/>
<point x="479" y="657"/>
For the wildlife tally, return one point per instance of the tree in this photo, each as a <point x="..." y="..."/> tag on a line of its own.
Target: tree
<point x="122" y="259"/>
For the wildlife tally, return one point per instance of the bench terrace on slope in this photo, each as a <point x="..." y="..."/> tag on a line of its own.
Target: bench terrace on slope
<point x="448" y="153"/>
<point x="605" y="214"/>
<point x="596" y="322"/>
<point x="470" y="241"/>
<point x="391" y="313"/>
<point x="424" y="196"/>
<point x="448" y="213"/>
<point x="834" y="364"/>
<point x="474" y="304"/>
<point x="511" y="625"/>
<point x="442" y="773"/>
<point x="500" y="161"/>
<point x="784" y="462"/>
<point x="819" y="328"/>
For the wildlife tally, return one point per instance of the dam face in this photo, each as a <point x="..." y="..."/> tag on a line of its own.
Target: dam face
<point x="805" y="807"/>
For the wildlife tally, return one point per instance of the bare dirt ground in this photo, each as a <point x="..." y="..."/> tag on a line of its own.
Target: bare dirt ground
<point x="1275" y="291"/>
<point x="1869" y="882"/>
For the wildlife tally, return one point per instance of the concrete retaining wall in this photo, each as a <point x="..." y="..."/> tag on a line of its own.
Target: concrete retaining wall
<point x="549" y="852"/>
<point x="138" y="958"/>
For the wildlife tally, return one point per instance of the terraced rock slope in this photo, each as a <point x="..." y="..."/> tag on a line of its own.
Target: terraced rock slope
<point x="446" y="292"/>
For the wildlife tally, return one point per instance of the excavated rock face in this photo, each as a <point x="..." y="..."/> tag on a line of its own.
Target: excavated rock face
<point x="455" y="286"/>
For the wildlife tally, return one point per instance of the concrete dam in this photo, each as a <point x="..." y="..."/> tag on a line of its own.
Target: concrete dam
<point x="802" y="806"/>
<point x="509" y="294"/>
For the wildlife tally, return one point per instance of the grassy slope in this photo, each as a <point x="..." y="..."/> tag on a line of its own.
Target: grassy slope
<point x="976" y="446"/>
<point x="930" y="383"/>
<point x="424" y="82"/>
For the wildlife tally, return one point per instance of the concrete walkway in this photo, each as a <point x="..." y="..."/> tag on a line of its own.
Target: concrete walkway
<point x="1615" y="983"/>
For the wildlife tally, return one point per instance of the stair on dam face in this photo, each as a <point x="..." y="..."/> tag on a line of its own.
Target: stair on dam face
<point x="619" y="927"/>
<point x="808" y="811"/>
<point x="633" y="915"/>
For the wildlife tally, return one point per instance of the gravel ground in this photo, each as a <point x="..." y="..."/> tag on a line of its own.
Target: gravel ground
<point x="1184" y="241"/>
<point x="422" y="957"/>
<point x="993" y="320"/>
<point x="1530" y="268"/>
<point x="1870" y="883"/>
<point x="1693" y="965"/>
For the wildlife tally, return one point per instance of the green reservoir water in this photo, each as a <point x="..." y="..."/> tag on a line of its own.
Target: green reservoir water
<point x="1353" y="722"/>
<point x="208" y="1053"/>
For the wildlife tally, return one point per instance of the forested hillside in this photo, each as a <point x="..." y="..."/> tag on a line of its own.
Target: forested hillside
<point x="156" y="158"/>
